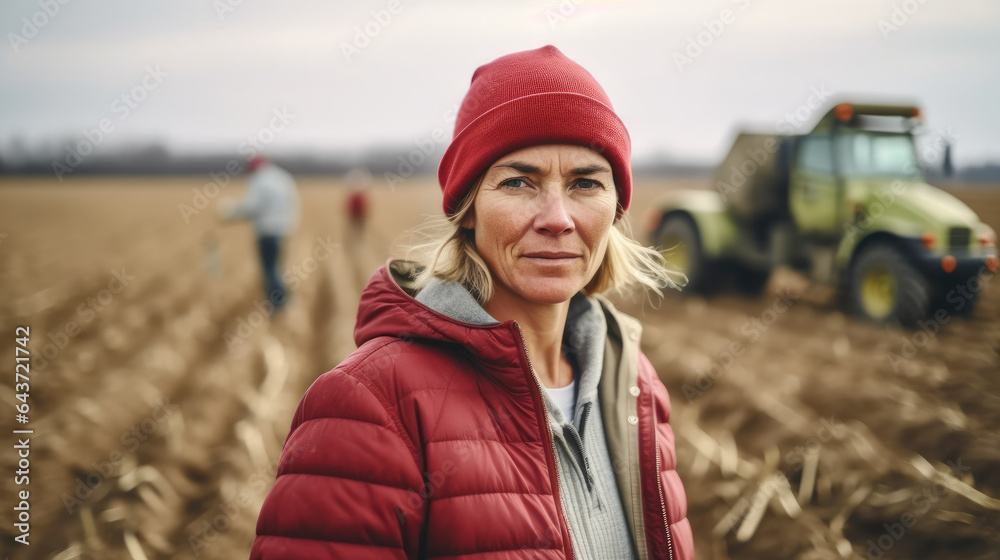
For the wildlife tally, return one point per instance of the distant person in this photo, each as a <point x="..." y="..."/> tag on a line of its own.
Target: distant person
<point x="498" y="405"/>
<point x="358" y="181"/>
<point x="272" y="202"/>
<point x="947" y="168"/>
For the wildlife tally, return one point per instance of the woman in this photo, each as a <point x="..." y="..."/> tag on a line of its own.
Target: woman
<point x="497" y="405"/>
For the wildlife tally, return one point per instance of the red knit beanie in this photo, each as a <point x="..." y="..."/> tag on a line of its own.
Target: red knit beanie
<point x="526" y="99"/>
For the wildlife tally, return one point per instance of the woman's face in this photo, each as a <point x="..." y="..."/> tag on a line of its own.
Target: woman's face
<point x="542" y="217"/>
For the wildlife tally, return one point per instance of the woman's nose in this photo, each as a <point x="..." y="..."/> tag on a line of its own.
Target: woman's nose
<point x="553" y="216"/>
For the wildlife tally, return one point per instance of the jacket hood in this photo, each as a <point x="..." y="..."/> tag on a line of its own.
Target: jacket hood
<point x="388" y="308"/>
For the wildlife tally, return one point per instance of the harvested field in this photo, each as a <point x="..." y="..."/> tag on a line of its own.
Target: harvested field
<point x="161" y="392"/>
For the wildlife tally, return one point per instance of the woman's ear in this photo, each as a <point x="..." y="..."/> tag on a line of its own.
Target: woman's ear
<point x="469" y="221"/>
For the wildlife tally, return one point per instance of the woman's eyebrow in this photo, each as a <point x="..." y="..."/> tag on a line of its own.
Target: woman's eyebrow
<point x="589" y="170"/>
<point x="528" y="168"/>
<point x="519" y="166"/>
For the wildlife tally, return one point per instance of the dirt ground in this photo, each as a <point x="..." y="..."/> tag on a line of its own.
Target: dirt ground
<point x="161" y="391"/>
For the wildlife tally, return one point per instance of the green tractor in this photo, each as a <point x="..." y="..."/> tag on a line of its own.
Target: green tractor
<point x="847" y="205"/>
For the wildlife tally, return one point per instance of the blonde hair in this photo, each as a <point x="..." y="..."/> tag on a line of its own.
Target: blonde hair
<point x="448" y="252"/>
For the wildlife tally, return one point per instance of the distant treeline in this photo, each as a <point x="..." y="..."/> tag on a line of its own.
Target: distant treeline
<point x="157" y="160"/>
<point x="389" y="162"/>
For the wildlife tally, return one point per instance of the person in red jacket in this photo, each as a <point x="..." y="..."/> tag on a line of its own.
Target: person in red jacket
<point x="356" y="206"/>
<point x="498" y="405"/>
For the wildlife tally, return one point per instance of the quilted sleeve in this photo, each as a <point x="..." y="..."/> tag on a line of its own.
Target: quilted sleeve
<point x="349" y="482"/>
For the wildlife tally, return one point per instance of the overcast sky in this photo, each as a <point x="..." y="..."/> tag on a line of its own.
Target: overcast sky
<point x="222" y="67"/>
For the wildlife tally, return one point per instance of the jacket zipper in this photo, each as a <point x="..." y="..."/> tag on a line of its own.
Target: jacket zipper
<point x="552" y="444"/>
<point x="663" y="505"/>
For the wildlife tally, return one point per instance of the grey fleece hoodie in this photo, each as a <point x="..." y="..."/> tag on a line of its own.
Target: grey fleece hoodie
<point x="589" y="494"/>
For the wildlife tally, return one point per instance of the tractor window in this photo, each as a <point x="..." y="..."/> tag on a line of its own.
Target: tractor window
<point x="874" y="154"/>
<point x="816" y="155"/>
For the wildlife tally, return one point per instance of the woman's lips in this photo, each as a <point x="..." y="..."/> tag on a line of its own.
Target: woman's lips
<point x="551" y="255"/>
<point x="551" y="258"/>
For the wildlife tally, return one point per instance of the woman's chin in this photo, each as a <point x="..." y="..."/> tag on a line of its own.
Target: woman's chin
<point x="548" y="290"/>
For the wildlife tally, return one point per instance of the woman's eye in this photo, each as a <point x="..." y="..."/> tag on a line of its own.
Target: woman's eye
<point x="588" y="185"/>
<point x="514" y="183"/>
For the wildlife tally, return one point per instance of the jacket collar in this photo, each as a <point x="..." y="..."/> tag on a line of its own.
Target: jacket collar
<point x="583" y="337"/>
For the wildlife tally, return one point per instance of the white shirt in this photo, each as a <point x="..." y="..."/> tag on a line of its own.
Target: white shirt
<point x="271" y="201"/>
<point x="565" y="397"/>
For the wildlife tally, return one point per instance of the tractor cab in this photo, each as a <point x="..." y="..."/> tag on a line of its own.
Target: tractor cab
<point x="852" y="145"/>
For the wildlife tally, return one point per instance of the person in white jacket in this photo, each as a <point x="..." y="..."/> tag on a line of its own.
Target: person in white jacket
<point x="271" y="201"/>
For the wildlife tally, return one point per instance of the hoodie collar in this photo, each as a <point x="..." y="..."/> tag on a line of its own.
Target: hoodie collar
<point x="453" y="300"/>
<point x="388" y="308"/>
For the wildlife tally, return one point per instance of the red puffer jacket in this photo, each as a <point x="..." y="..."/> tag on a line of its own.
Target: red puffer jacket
<point x="431" y="441"/>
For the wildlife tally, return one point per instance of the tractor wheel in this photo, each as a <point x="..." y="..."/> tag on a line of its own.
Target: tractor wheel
<point x="885" y="287"/>
<point x="951" y="301"/>
<point x="680" y="246"/>
<point x="750" y="281"/>
<point x="969" y="308"/>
